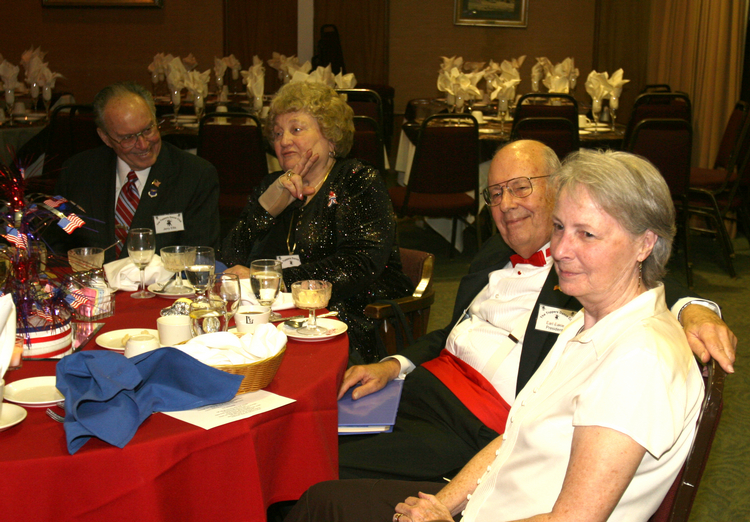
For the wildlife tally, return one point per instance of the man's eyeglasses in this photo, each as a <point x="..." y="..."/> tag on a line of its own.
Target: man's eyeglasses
<point x="517" y="187"/>
<point x="129" y="141"/>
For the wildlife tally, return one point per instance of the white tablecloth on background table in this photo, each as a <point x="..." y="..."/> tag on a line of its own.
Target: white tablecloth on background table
<point x="15" y="138"/>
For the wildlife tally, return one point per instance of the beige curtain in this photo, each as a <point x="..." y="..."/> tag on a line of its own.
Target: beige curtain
<point x="696" y="46"/>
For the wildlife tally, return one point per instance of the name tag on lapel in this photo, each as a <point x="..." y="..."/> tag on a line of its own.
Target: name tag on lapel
<point x="552" y="319"/>
<point x="168" y="223"/>
<point x="289" y="261"/>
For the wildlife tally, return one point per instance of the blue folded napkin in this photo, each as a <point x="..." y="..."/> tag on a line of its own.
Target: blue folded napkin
<point x="108" y="396"/>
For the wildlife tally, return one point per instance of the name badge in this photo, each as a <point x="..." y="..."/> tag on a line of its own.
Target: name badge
<point x="553" y="320"/>
<point x="289" y="261"/>
<point x="169" y="223"/>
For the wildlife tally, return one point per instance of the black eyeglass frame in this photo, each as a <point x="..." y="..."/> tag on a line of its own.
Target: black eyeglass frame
<point x="154" y="125"/>
<point x="505" y="186"/>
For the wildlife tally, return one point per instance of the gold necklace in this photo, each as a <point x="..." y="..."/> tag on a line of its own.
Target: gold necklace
<point x="298" y="214"/>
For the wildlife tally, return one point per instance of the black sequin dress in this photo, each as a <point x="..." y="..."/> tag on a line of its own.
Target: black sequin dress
<point x="345" y="235"/>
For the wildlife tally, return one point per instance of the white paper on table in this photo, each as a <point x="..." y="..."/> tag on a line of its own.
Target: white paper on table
<point x="241" y="407"/>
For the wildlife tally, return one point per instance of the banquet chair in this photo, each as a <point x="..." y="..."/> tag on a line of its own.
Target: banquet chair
<point x="658" y="105"/>
<point x="559" y="134"/>
<point x="668" y="144"/>
<point x="444" y="177"/>
<point x="547" y="105"/>
<point x="329" y="50"/>
<point x="233" y="143"/>
<point x="364" y="102"/>
<point x="420" y="108"/>
<point x="404" y="320"/>
<point x="656" y="87"/>
<point x="677" y="504"/>
<point x="368" y="143"/>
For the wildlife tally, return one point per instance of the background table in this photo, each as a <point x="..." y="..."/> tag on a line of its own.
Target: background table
<point x="16" y="136"/>
<point x="172" y="470"/>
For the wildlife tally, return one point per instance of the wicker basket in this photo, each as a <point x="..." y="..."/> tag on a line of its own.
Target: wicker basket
<point x="256" y="375"/>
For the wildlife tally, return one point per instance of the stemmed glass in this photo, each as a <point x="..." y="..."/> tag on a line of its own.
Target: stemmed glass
<point x="47" y="98"/>
<point x="596" y="108"/>
<point x="176" y="259"/>
<point x="311" y="295"/>
<point x="266" y="279"/>
<point x="200" y="272"/>
<point x="208" y="316"/>
<point x="141" y="248"/>
<point x="227" y="287"/>
<point x="199" y="104"/>
<point x="176" y="99"/>
<point x="614" y="104"/>
<point x="502" y="110"/>
<point x="10" y="100"/>
<point x="219" y="84"/>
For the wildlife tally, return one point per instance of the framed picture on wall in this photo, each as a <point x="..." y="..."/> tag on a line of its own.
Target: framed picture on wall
<point x="491" y="13"/>
<point x="102" y="3"/>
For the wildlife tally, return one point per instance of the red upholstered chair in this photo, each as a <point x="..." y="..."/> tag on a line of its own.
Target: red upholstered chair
<point x="656" y="87"/>
<point x="418" y="266"/>
<point x="233" y="143"/>
<point x="652" y="105"/>
<point x="677" y="504"/>
<point x="445" y="168"/>
<point x="668" y="144"/>
<point x="547" y="105"/>
<point x="364" y="102"/>
<point x="559" y="134"/>
<point x="368" y="142"/>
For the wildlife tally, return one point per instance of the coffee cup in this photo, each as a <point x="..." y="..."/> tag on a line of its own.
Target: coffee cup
<point x="248" y="318"/>
<point x="582" y="120"/>
<point x="173" y="329"/>
<point x="19" y="108"/>
<point x="478" y="116"/>
<point x="141" y="343"/>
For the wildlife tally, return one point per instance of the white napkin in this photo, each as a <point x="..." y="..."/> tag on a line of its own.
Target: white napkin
<point x="504" y="89"/>
<point x="450" y="63"/>
<point x="222" y="348"/>
<point x="255" y="78"/>
<point x="283" y="302"/>
<point x="234" y="64"/>
<point x="158" y="68"/>
<point x="190" y="62"/>
<point x="345" y="81"/>
<point x="176" y="74"/>
<point x="9" y="75"/>
<point x="124" y="275"/>
<point x="597" y="85"/>
<point x="616" y="82"/>
<point x="456" y="83"/>
<point x="7" y="332"/>
<point x="47" y="78"/>
<point x="197" y="83"/>
<point x="220" y="68"/>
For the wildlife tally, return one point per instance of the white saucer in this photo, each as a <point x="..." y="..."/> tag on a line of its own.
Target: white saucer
<point x="170" y="295"/>
<point x="34" y="392"/>
<point x="113" y="340"/>
<point x="334" y="326"/>
<point x="489" y="131"/>
<point x="11" y="416"/>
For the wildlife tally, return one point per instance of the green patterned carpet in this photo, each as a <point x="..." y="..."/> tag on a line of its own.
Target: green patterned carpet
<point x="724" y="493"/>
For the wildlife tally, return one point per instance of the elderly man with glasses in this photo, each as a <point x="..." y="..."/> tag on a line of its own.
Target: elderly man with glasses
<point x="138" y="181"/>
<point x="462" y="380"/>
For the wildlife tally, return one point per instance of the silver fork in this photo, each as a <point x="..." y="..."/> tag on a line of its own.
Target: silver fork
<point x="55" y="416"/>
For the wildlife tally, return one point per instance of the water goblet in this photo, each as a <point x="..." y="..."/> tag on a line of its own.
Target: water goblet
<point x="141" y="248"/>
<point x="596" y="109"/>
<point x="10" y="100"/>
<point x="208" y="316"/>
<point x="502" y="110"/>
<point x="85" y="258"/>
<point x="199" y="273"/>
<point x="227" y="287"/>
<point x="614" y="104"/>
<point x="219" y="84"/>
<point x="47" y="99"/>
<point x="199" y="105"/>
<point x="34" y="96"/>
<point x="266" y="279"/>
<point x="176" y="100"/>
<point x="176" y="259"/>
<point x="311" y="296"/>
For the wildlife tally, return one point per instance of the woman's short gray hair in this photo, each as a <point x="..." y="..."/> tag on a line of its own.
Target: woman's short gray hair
<point x="631" y="190"/>
<point x="120" y="90"/>
<point x="334" y="116"/>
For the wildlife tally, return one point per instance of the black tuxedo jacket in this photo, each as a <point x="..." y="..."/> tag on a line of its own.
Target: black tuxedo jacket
<point x="179" y="182"/>
<point x="494" y="255"/>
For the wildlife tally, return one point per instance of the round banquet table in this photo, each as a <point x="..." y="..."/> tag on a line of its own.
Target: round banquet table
<point x="172" y="470"/>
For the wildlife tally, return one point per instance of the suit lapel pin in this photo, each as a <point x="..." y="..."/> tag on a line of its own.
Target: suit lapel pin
<point x="153" y="192"/>
<point x="557" y="287"/>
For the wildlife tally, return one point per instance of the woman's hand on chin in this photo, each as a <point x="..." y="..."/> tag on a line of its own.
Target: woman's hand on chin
<point x="294" y="179"/>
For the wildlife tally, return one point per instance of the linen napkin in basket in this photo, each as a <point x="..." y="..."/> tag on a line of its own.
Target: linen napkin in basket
<point x="108" y="396"/>
<point x="124" y="275"/>
<point x="222" y="348"/>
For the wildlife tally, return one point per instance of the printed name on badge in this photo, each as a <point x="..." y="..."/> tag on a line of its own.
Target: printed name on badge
<point x="289" y="261"/>
<point x="552" y="319"/>
<point x="168" y="223"/>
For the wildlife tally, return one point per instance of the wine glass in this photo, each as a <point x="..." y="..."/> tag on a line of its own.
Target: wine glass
<point x="34" y="96"/>
<point x="219" y="84"/>
<point x="227" y="287"/>
<point x="502" y="110"/>
<point x="176" y="259"/>
<point x="85" y="258"/>
<point x="47" y="98"/>
<point x="266" y="278"/>
<point x="10" y="100"/>
<point x="596" y="108"/>
<point x="141" y="248"/>
<point x="176" y="99"/>
<point x="199" y="104"/>
<point x="614" y="104"/>
<point x="208" y="316"/>
<point x="311" y="295"/>
<point x="200" y="272"/>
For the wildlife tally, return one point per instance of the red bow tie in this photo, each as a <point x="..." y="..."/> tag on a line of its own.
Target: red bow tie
<point x="538" y="259"/>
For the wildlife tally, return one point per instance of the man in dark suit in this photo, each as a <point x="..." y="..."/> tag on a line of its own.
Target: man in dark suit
<point x="508" y="311"/>
<point x="178" y="193"/>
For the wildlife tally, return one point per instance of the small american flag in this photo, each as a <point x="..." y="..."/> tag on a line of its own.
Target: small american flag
<point x="70" y="223"/>
<point x="19" y="240"/>
<point x="55" y="201"/>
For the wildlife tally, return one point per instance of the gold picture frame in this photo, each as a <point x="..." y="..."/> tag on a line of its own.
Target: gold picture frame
<point x="491" y="13"/>
<point x="103" y="3"/>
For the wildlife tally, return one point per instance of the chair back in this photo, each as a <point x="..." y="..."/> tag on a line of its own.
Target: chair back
<point x="726" y="156"/>
<point x="364" y="102"/>
<point x="418" y="266"/>
<point x="233" y="143"/>
<point x="547" y="105"/>
<point x="446" y="160"/>
<point x="420" y="108"/>
<point x="329" y="50"/>
<point x="559" y="134"/>
<point x="677" y="504"/>
<point x="656" y="87"/>
<point x="72" y="130"/>
<point x="653" y="105"/>
<point x="368" y="142"/>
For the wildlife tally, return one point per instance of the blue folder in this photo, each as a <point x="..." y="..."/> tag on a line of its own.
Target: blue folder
<point x="374" y="413"/>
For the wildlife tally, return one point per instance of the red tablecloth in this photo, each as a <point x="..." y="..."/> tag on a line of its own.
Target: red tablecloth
<point x="172" y="470"/>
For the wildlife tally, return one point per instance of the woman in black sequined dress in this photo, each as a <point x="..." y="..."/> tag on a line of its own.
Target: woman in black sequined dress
<point x="335" y="214"/>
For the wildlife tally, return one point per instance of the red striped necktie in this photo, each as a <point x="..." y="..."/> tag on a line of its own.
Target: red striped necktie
<point x="127" y="202"/>
<point x="538" y="259"/>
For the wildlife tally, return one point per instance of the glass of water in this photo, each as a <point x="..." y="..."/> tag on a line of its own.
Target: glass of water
<point x="141" y="248"/>
<point x="200" y="272"/>
<point x="266" y="277"/>
<point x="208" y="316"/>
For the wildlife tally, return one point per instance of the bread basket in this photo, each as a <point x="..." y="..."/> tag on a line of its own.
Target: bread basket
<point x="256" y="375"/>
